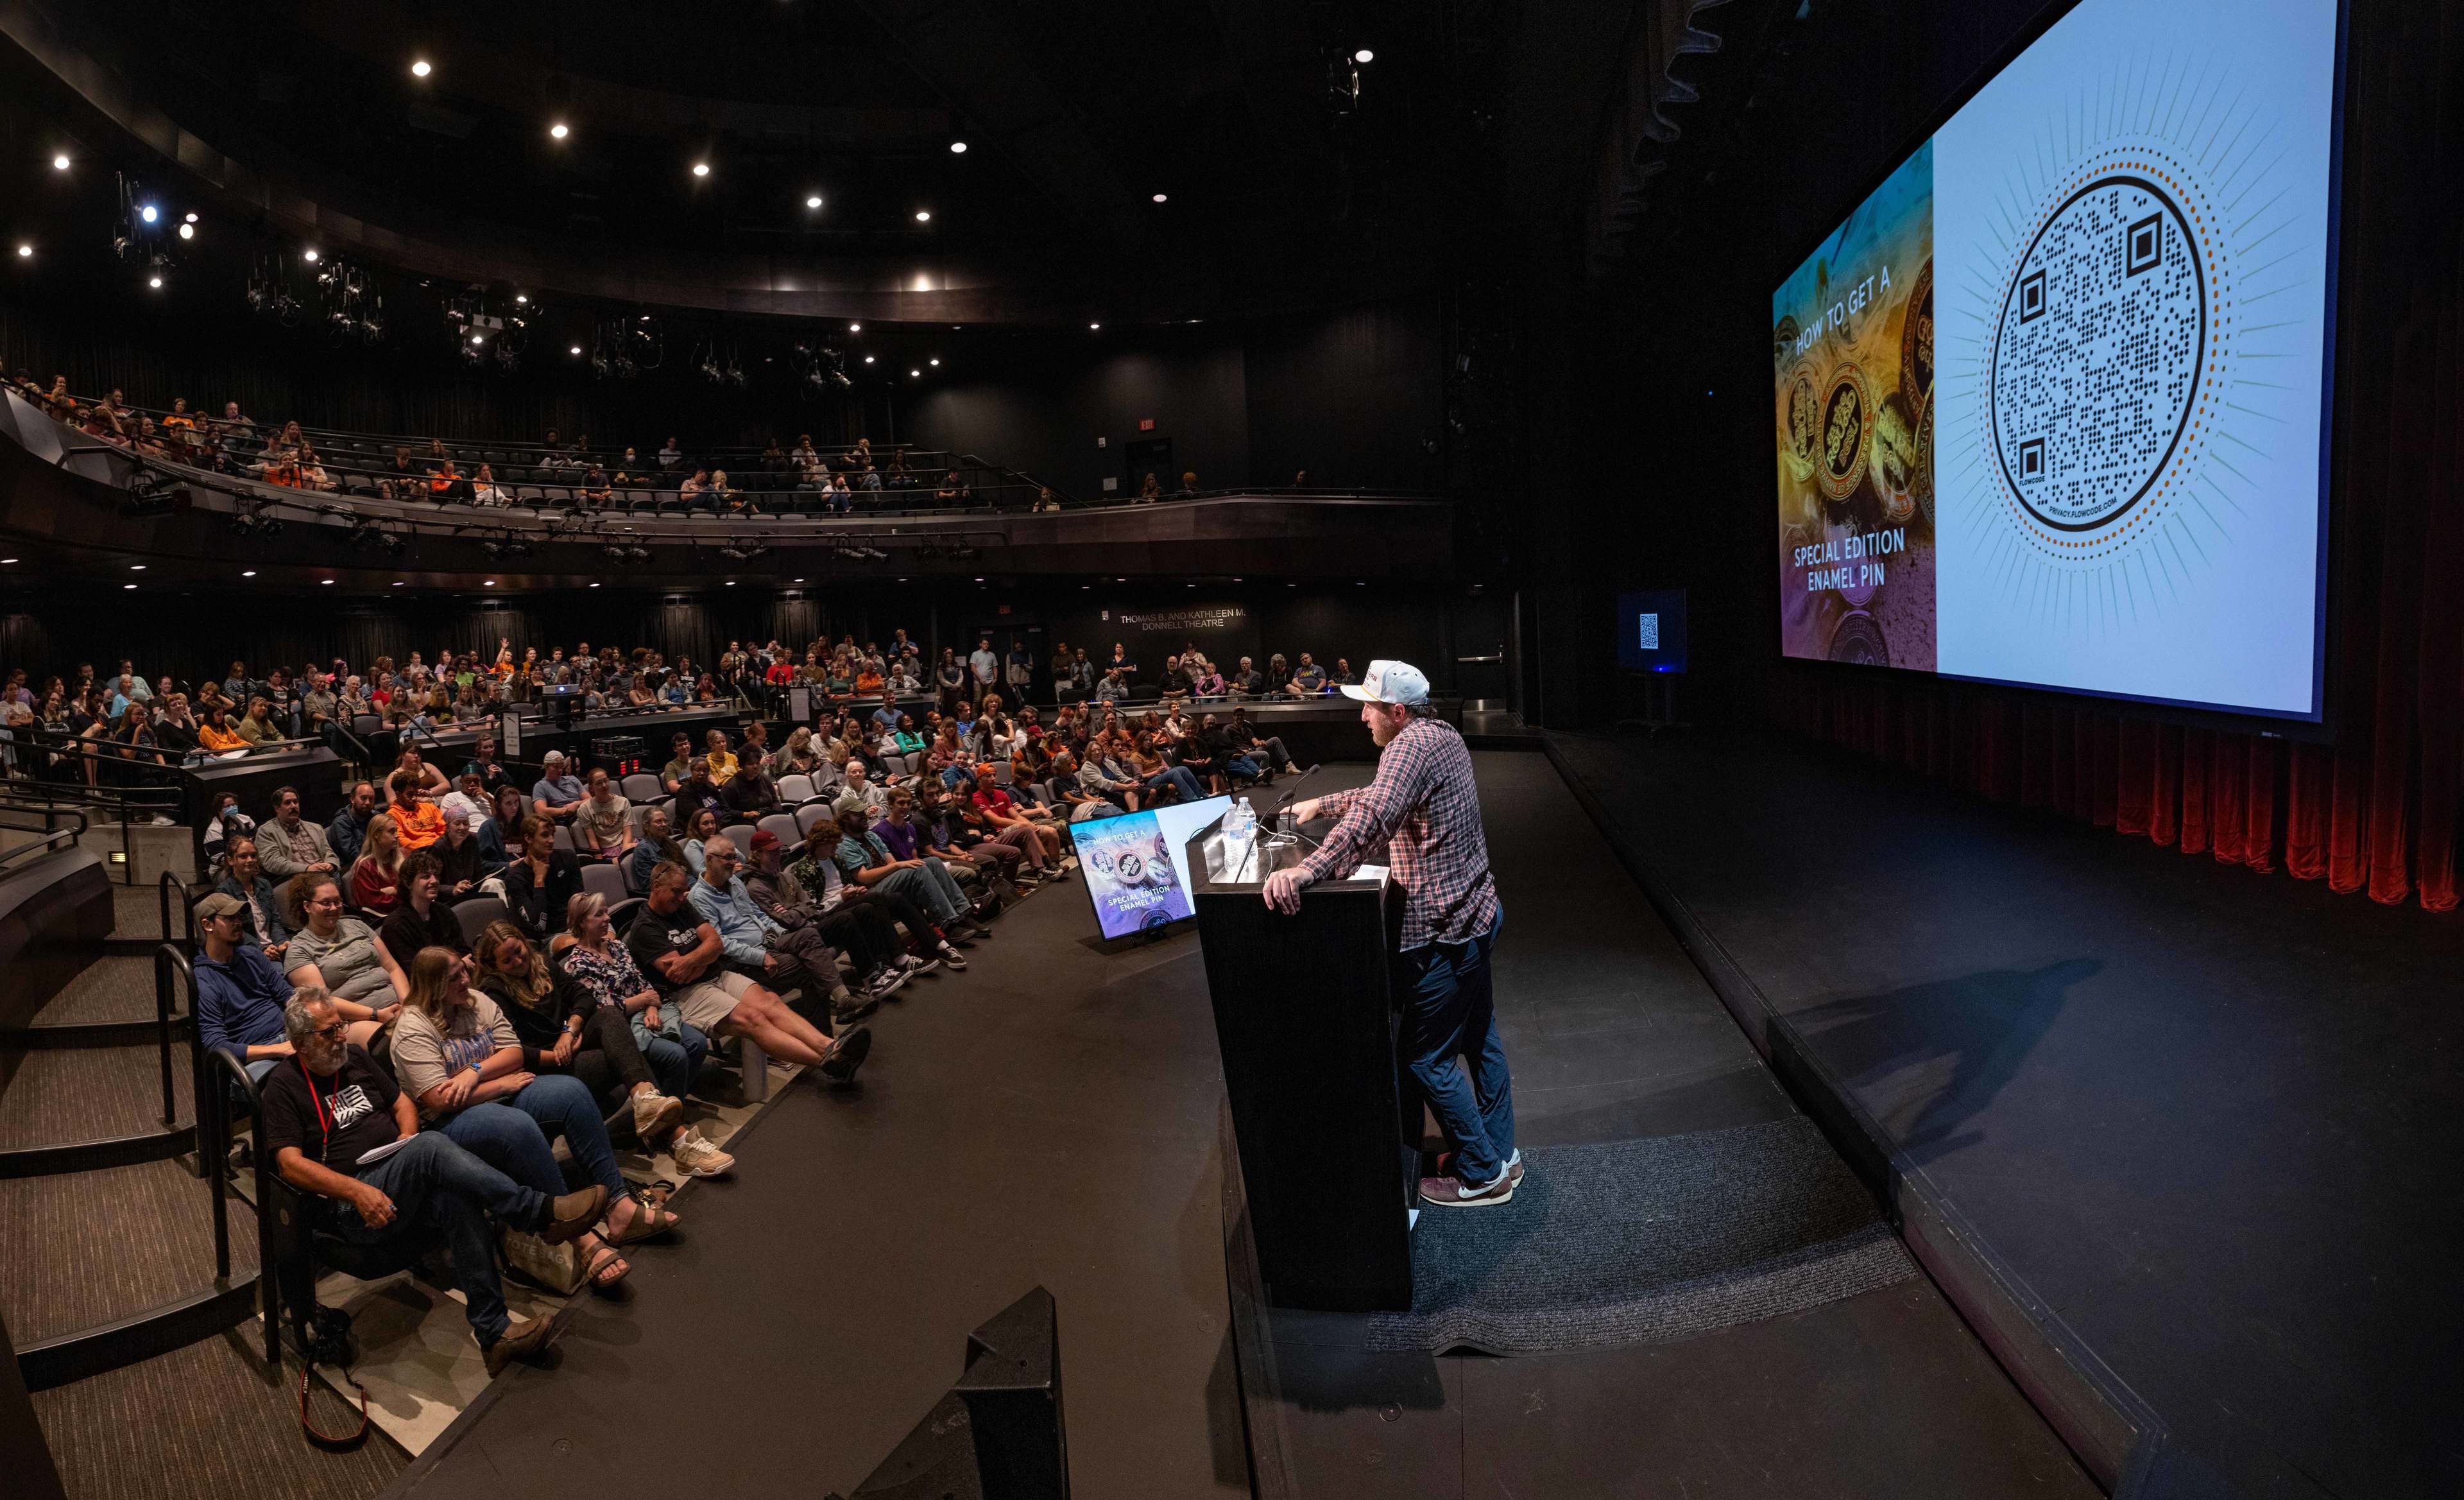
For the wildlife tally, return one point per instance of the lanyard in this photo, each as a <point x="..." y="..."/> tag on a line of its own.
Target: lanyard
<point x="324" y="1116"/>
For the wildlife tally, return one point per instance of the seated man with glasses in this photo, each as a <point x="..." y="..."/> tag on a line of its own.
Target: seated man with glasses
<point x="338" y="1128"/>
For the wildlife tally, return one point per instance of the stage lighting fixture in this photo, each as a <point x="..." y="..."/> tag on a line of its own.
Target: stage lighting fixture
<point x="923" y="215"/>
<point x="521" y="296"/>
<point x="61" y="163"/>
<point x="309" y="254"/>
<point x="248" y="572"/>
<point x="559" y="130"/>
<point x="1158" y="197"/>
<point x="150" y="213"/>
<point x="855" y="328"/>
<point x="187" y="232"/>
<point x="914" y="374"/>
<point x="958" y="148"/>
<point x="933" y="361"/>
<point x="867" y="359"/>
<point x="24" y="250"/>
<point x="812" y="200"/>
<point x="1091" y="327"/>
<point x="1364" y="54"/>
<point x="155" y="283"/>
<point x="701" y="168"/>
<point x="576" y="349"/>
<point x="419" y="68"/>
<point x="190" y="219"/>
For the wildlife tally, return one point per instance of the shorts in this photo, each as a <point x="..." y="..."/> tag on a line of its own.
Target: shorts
<point x="707" y="1003"/>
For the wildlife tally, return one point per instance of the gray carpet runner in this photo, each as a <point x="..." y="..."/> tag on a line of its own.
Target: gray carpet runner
<point x="1646" y="1241"/>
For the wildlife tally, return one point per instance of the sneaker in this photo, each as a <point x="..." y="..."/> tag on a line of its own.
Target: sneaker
<point x="885" y="981"/>
<point x="1513" y="1165"/>
<point x="855" y="1008"/>
<point x="959" y="930"/>
<point x="1453" y="1192"/>
<point x="916" y="963"/>
<point x="950" y="957"/>
<point x="573" y="1213"/>
<point x="695" y="1157"/>
<point x="654" y="1113"/>
<point x="521" y="1339"/>
<point x="846" y="1055"/>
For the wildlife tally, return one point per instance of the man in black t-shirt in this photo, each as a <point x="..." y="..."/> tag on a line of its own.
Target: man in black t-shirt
<point x="423" y="921"/>
<point x="328" y="1106"/>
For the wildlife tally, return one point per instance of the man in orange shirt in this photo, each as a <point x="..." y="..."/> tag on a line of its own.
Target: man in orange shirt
<point x="417" y="823"/>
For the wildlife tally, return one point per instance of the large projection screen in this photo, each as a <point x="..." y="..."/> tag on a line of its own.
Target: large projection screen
<point x="2113" y="481"/>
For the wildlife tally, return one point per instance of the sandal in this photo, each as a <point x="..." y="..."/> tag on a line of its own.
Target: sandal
<point x="648" y="1223"/>
<point x="606" y="1269"/>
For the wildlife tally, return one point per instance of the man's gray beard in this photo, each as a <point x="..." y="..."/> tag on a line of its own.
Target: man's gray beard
<point x="324" y="1057"/>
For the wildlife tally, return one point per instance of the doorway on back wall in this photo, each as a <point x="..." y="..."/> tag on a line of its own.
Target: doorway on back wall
<point x="1149" y="455"/>
<point x="1005" y="628"/>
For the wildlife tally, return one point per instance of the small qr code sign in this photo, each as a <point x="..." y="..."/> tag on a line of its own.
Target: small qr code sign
<point x="1650" y="630"/>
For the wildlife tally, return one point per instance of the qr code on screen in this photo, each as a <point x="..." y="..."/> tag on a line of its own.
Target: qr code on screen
<point x="1650" y="632"/>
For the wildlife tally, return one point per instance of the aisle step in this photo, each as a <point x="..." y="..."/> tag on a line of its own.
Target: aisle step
<point x="155" y="1218"/>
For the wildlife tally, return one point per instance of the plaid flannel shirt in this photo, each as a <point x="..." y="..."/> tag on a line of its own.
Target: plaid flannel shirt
<point x="1424" y="804"/>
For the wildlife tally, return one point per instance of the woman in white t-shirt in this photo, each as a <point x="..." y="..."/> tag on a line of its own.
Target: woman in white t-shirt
<point x="456" y="1055"/>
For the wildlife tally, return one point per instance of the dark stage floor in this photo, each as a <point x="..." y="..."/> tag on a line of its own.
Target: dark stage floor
<point x="1051" y="1116"/>
<point x="2210" y="1118"/>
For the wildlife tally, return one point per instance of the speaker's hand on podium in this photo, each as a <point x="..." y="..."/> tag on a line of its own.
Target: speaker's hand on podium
<point x="1283" y="889"/>
<point x="1304" y="811"/>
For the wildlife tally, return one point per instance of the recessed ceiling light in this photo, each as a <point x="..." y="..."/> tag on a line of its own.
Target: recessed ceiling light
<point x="191" y="219"/>
<point x="1364" y="54"/>
<point x="799" y="581"/>
<point x="154" y="281"/>
<point x="576" y="349"/>
<point x="150" y="213"/>
<point x="4" y="561"/>
<point x="855" y="328"/>
<point x="914" y="374"/>
<point x="594" y="585"/>
<point x="419" y="68"/>
<point x="61" y="163"/>
<point x="701" y="168"/>
<point x="478" y="337"/>
<point x="309" y="254"/>
<point x="933" y="361"/>
<point x="327" y="582"/>
<point x="128" y="585"/>
<point x="137" y="567"/>
<point x="979" y="581"/>
<point x="867" y="359"/>
<point x="24" y="250"/>
<point x="731" y="583"/>
<point x="187" y="232"/>
<point x="812" y="200"/>
<point x="1158" y="197"/>
<point x="397" y="583"/>
<point x="521" y="296"/>
<point x="559" y="130"/>
<point x="248" y="573"/>
<point x="488" y="582"/>
<point x="958" y="148"/>
<point x="923" y="215"/>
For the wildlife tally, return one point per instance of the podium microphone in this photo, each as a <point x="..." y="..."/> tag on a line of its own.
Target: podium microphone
<point x="1286" y="800"/>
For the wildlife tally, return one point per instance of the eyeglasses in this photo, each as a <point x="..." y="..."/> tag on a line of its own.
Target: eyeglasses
<point x="330" y="1030"/>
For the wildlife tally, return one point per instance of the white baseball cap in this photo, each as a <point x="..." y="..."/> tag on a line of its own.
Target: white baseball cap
<point x="1390" y="682"/>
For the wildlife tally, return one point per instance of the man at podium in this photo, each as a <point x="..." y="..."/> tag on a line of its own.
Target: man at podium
<point x="1424" y="806"/>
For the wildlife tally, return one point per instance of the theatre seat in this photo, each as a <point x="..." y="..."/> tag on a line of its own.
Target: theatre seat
<point x="642" y="786"/>
<point x="605" y="881"/>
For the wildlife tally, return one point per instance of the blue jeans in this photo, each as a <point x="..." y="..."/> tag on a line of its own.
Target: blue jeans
<point x="930" y="886"/>
<point x="1448" y="1010"/>
<point x="674" y="1060"/>
<point x="1178" y="777"/>
<point x="512" y="1135"/>
<point x="438" y="1185"/>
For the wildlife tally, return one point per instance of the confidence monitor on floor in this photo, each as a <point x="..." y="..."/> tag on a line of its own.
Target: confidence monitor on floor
<point x="1135" y="866"/>
<point x="1306" y="1016"/>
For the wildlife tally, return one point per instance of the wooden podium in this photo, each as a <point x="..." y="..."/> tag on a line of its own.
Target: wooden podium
<point x="1305" y="1018"/>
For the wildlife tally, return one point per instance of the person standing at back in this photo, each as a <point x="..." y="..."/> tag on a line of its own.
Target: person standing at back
<point x="1424" y="808"/>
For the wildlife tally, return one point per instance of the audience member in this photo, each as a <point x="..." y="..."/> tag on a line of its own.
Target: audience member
<point x="540" y="880"/>
<point x="679" y="953"/>
<point x="430" y="1184"/>
<point x="376" y="876"/>
<point x="262" y="924"/>
<point x="239" y="992"/>
<point x="350" y="825"/>
<point x="605" y="970"/>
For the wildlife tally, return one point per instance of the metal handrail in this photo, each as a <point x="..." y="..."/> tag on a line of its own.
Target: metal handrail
<point x="213" y="1151"/>
<point x="167" y="959"/>
<point x="123" y="801"/>
<point x="51" y="836"/>
<point x="163" y="888"/>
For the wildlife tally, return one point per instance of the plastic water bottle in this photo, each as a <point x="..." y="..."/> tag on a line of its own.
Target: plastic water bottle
<point x="1231" y="824"/>
<point x="1248" y="818"/>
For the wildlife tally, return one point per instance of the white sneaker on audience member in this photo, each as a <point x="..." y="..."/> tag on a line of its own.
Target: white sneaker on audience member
<point x="695" y="1157"/>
